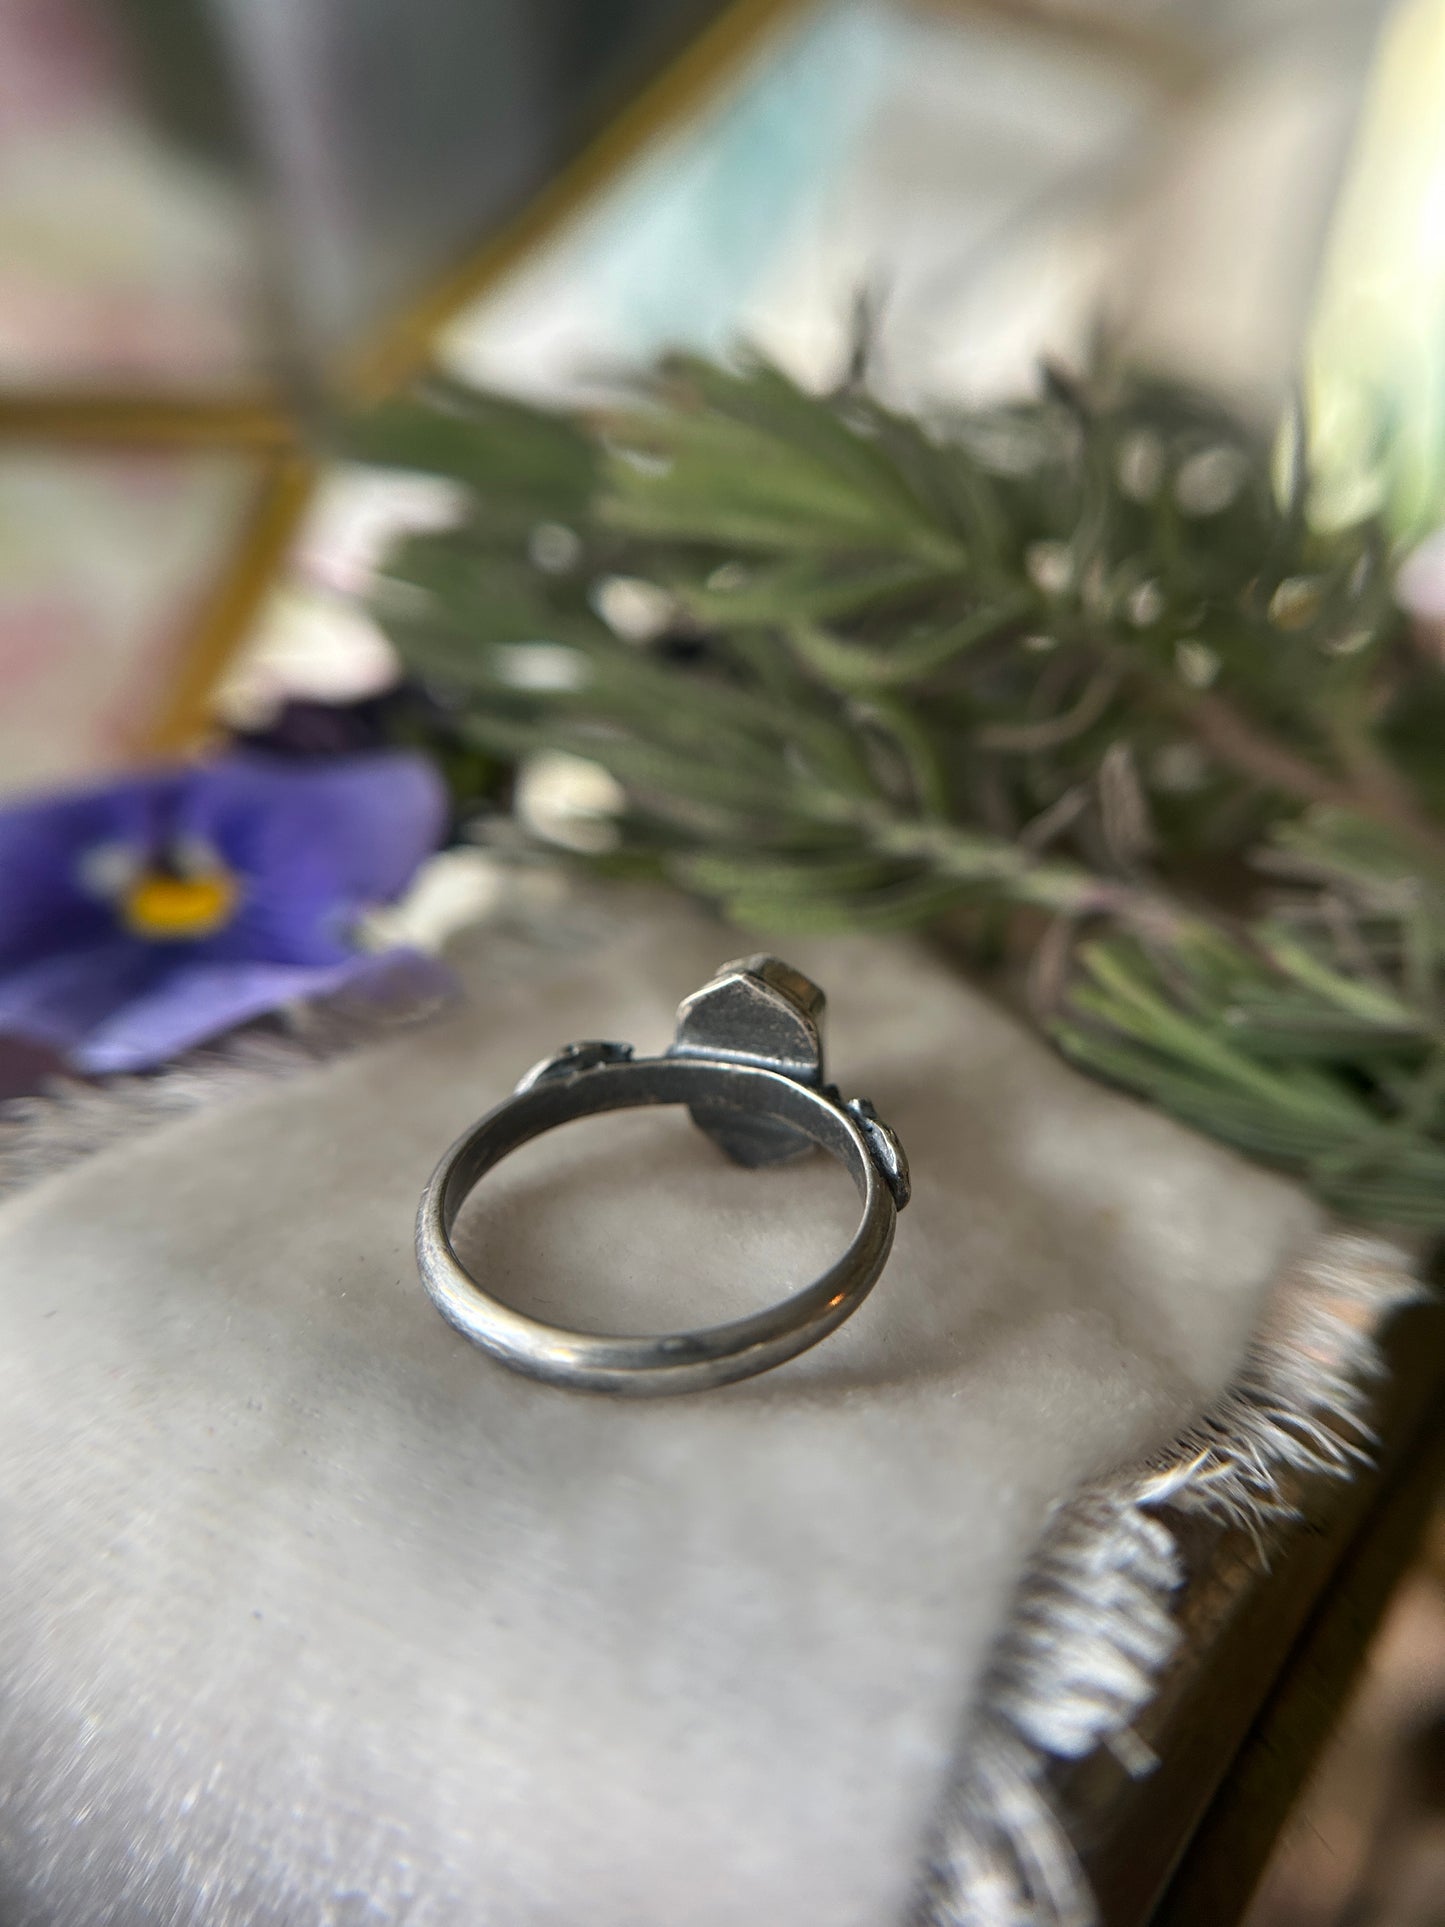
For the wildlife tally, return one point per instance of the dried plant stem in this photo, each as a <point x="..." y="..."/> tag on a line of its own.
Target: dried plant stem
<point x="1244" y="746"/>
<point x="1008" y="871"/>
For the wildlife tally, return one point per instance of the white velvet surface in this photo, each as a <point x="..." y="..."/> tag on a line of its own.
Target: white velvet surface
<point x="313" y="1614"/>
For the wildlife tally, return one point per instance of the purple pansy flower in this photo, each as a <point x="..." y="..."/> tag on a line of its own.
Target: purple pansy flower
<point x="145" y="916"/>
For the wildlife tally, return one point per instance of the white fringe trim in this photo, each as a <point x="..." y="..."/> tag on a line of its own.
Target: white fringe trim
<point x="1092" y="1628"/>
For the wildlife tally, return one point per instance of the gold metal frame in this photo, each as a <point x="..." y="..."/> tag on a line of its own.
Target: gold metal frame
<point x="265" y="427"/>
<point x="700" y="72"/>
<point x="280" y="502"/>
<point x="146" y="421"/>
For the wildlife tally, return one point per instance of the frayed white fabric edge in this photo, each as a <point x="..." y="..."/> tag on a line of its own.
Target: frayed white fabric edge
<point x="1092" y="1627"/>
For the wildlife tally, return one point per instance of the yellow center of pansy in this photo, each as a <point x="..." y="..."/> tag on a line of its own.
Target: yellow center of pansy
<point x="175" y="909"/>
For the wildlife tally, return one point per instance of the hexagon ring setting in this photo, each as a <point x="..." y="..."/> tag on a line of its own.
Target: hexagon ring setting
<point x="747" y="1061"/>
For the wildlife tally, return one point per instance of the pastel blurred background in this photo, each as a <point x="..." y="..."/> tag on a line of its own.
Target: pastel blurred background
<point x="224" y="222"/>
<point x="218" y="222"/>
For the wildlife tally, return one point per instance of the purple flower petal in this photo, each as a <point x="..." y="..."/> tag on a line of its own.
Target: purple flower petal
<point x="44" y="904"/>
<point x="311" y="847"/>
<point x="61" y="998"/>
<point x="315" y="845"/>
<point x="190" y="1005"/>
<point x="369" y="820"/>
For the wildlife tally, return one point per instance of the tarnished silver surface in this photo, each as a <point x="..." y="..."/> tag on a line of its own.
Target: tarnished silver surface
<point x="755" y="1010"/>
<point x="747" y="1061"/>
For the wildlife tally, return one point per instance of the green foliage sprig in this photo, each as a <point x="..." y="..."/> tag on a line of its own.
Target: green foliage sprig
<point x="1084" y="660"/>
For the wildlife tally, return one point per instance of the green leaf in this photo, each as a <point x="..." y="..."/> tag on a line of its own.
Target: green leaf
<point x="530" y="461"/>
<point x="817" y="589"/>
<point x="902" y="906"/>
<point x="853" y="665"/>
<point x="1371" y="1005"/>
<point x="715" y="874"/>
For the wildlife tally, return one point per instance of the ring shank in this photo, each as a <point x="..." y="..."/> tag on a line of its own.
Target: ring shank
<point x="684" y="1361"/>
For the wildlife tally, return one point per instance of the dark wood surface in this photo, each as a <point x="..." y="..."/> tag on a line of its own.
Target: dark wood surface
<point x="1231" y="1847"/>
<point x="1274" y="1633"/>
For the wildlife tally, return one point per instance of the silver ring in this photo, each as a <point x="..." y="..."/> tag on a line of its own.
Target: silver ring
<point x="747" y="1061"/>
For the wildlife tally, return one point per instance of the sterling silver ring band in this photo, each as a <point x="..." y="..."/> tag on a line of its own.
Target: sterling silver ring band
<point x="747" y="1062"/>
